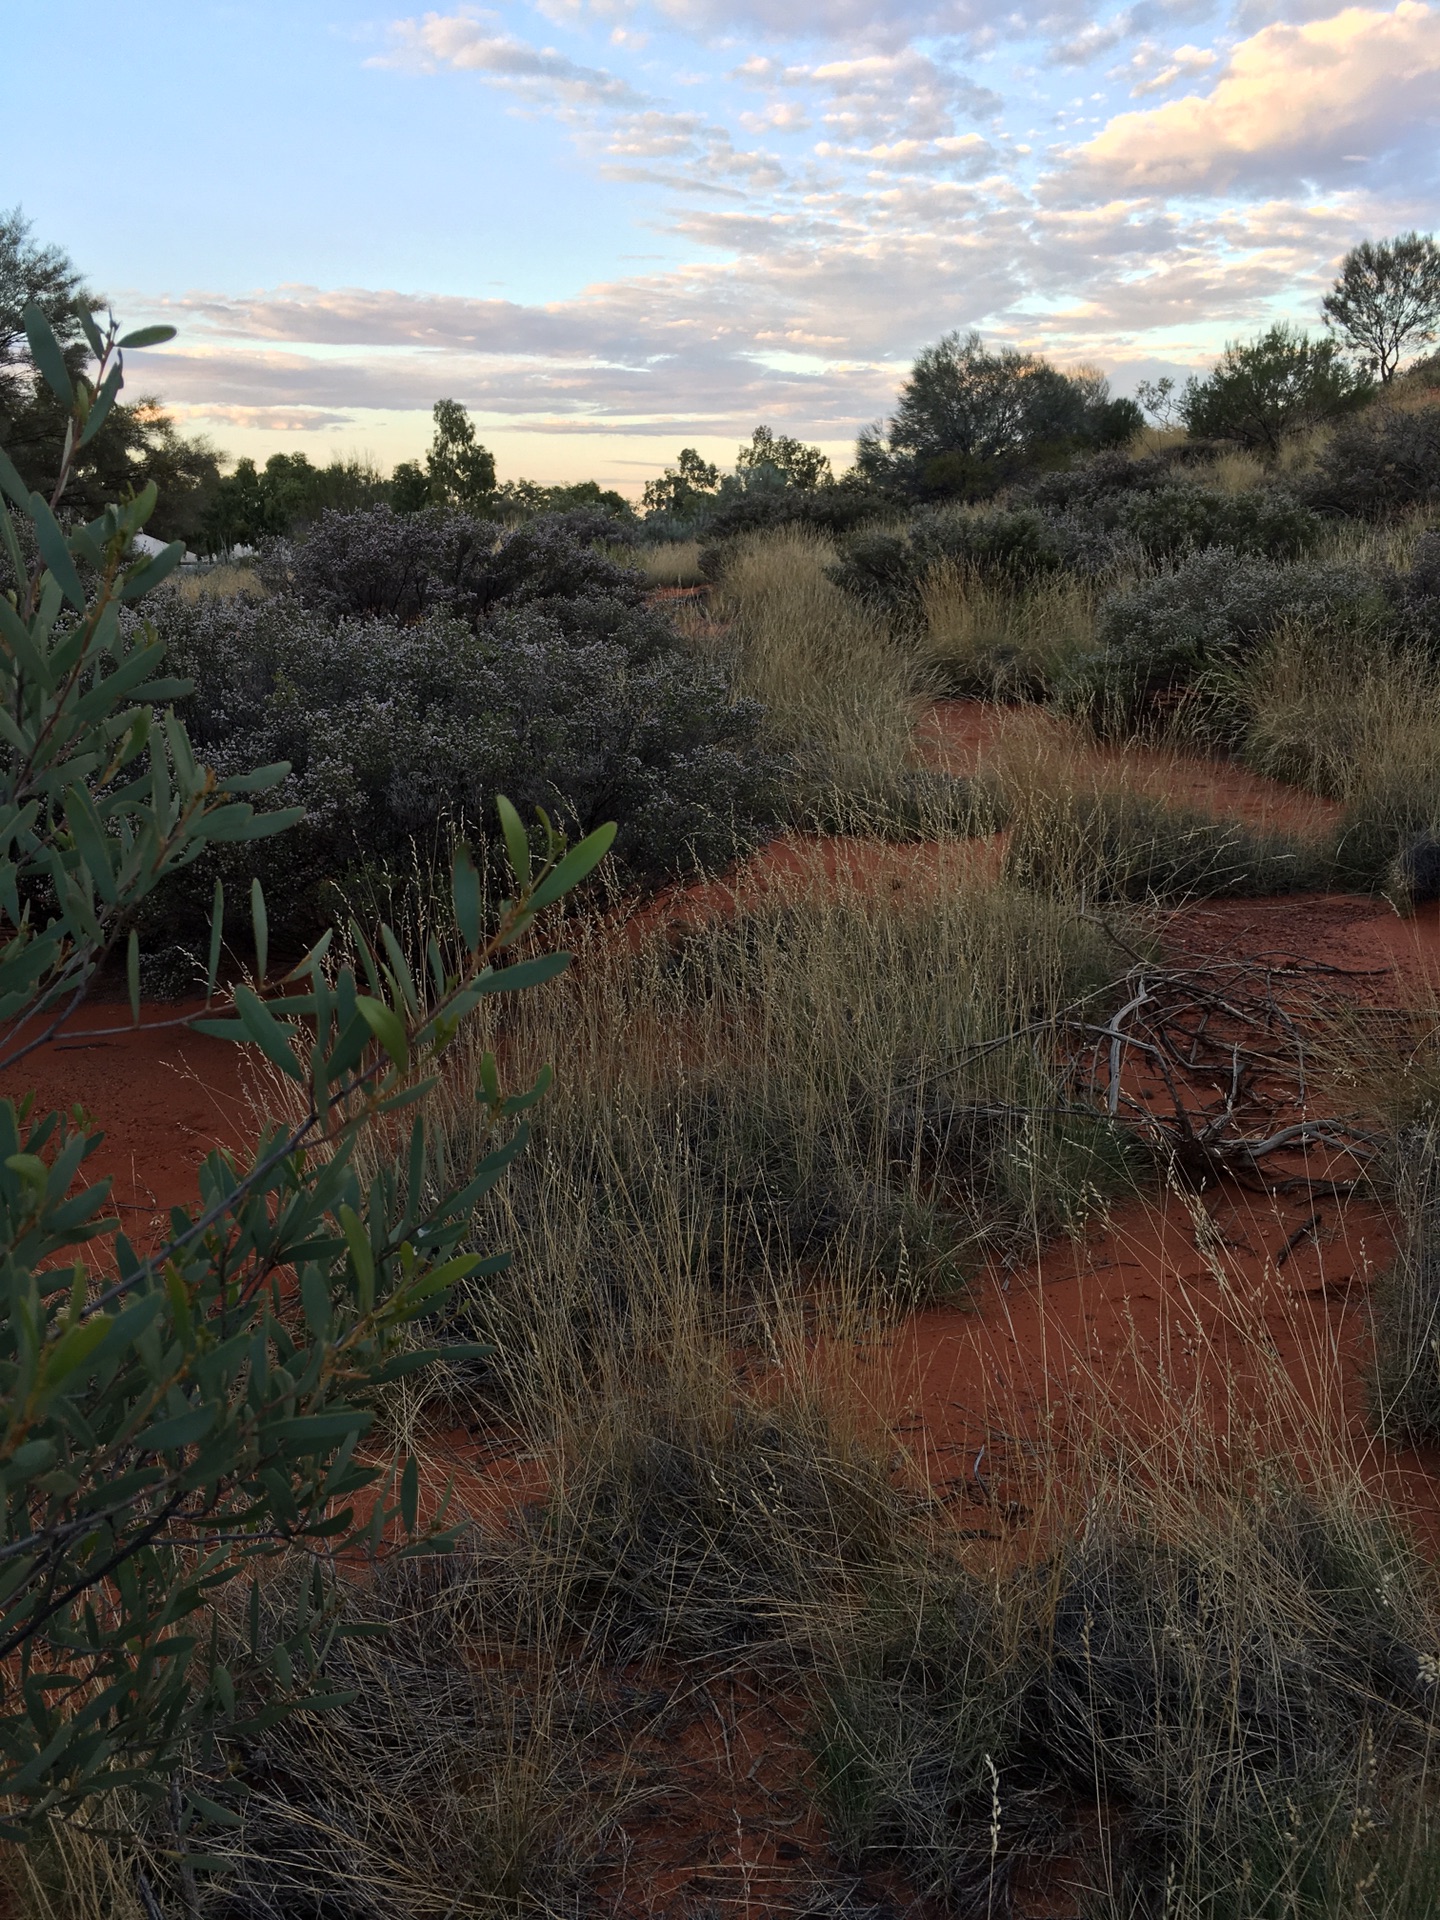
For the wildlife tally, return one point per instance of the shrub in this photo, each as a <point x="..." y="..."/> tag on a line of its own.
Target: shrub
<point x="397" y="734"/>
<point x="399" y="566"/>
<point x="1379" y="465"/>
<point x="1405" y="1370"/>
<point x="1189" y="628"/>
<point x="1171" y="521"/>
<point x="1264" y="390"/>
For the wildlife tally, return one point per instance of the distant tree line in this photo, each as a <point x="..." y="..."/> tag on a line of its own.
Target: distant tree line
<point x="969" y="420"/>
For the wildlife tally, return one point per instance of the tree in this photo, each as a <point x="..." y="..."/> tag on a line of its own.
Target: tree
<point x="684" y="490"/>
<point x="254" y="504"/>
<point x="1263" y="390"/>
<point x="1386" y="298"/>
<point x="777" y="454"/>
<point x="969" y="419"/>
<point x="1160" y="399"/>
<point x="460" y="470"/>
<point x="169" y="1420"/>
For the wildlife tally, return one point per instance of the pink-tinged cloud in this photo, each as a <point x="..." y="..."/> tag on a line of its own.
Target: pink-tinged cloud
<point x="1314" y="103"/>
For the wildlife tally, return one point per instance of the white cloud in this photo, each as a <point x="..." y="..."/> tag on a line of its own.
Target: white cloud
<point x="1293" y="104"/>
<point x="467" y="43"/>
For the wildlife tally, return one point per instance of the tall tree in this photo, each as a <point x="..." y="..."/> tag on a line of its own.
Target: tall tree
<point x="1386" y="299"/>
<point x="796" y="463"/>
<point x="461" y="471"/>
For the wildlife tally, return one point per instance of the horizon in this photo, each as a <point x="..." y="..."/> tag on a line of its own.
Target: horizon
<point x="744" y="214"/>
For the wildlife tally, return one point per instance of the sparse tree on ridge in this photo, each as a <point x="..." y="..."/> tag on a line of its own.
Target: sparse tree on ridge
<point x="460" y="470"/>
<point x="798" y="464"/>
<point x="1263" y="390"/>
<point x="1386" y="298"/>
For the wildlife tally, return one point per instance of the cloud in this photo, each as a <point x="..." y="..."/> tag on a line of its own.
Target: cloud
<point x="466" y="43"/>
<point x="1181" y="64"/>
<point x="1309" y="103"/>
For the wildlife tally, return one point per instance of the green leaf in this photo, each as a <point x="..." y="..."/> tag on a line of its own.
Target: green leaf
<point x="387" y="1027"/>
<point x="525" y="973"/>
<point x="80" y="308"/>
<point x="576" y="864"/>
<point x="362" y="1256"/>
<point x="150" y="573"/>
<point x="217" y="934"/>
<point x="182" y="1430"/>
<point x="260" y="923"/>
<point x="74" y="1348"/>
<point x="146" y="337"/>
<point x="517" y="842"/>
<point x="310" y="1431"/>
<point x="102" y="403"/>
<point x="410" y="1494"/>
<point x="45" y="350"/>
<point x="55" y="553"/>
<point x="11" y="482"/>
<point x="266" y="1031"/>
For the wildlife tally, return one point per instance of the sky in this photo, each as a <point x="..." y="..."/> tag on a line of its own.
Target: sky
<point x="612" y="228"/>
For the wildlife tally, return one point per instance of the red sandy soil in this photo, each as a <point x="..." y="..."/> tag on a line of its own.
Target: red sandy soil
<point x="1242" y="1315"/>
<point x="163" y="1097"/>
<point x="966" y="736"/>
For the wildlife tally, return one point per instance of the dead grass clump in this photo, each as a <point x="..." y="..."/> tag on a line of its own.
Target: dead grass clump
<point x="220" y="582"/>
<point x="1110" y="844"/>
<point x="665" y="563"/>
<point x="991" y="638"/>
<point x="1405" y="1376"/>
<point x="1208" y="1704"/>
<point x="1359" y="723"/>
<point x="842" y="692"/>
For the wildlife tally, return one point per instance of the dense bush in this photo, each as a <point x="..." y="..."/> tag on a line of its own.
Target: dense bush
<point x="402" y="565"/>
<point x="585" y="706"/>
<point x="1380" y="464"/>
<point x="1175" y="520"/>
<point x="1189" y="627"/>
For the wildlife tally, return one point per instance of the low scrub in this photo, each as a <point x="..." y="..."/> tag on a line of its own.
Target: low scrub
<point x="397" y="733"/>
<point x="1240" y="1699"/>
<point x="1110" y="844"/>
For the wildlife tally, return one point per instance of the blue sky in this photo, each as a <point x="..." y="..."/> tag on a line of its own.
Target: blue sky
<point x="613" y="227"/>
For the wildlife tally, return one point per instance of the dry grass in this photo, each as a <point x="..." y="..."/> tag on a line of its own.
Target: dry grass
<point x="221" y="582"/>
<point x="1356" y="723"/>
<point x="986" y="638"/>
<point x="666" y="563"/>
<point x="843" y="693"/>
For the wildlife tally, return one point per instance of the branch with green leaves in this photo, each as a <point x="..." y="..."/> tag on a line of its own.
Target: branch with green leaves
<point x="170" y="1418"/>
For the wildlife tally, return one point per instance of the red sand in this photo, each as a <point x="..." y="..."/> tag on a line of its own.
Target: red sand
<point x="162" y="1096"/>
<point x="966" y="736"/>
<point x="1245" y="1315"/>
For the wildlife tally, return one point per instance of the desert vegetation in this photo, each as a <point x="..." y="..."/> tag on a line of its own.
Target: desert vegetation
<point x="948" y="1432"/>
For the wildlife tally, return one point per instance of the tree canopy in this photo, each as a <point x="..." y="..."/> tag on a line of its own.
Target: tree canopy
<point x="1386" y="299"/>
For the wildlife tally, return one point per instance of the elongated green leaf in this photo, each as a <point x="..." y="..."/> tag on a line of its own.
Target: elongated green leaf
<point x="55" y="553"/>
<point x="74" y="1348"/>
<point x="139" y="580"/>
<point x="517" y="842"/>
<point x="102" y="403"/>
<point x="260" y="926"/>
<point x="181" y="1430"/>
<point x="12" y="484"/>
<point x="576" y="864"/>
<point x="266" y="1031"/>
<point x="524" y="973"/>
<point x="217" y="935"/>
<point x="387" y="1027"/>
<point x="146" y="337"/>
<point x="45" y="350"/>
<point x="465" y="891"/>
